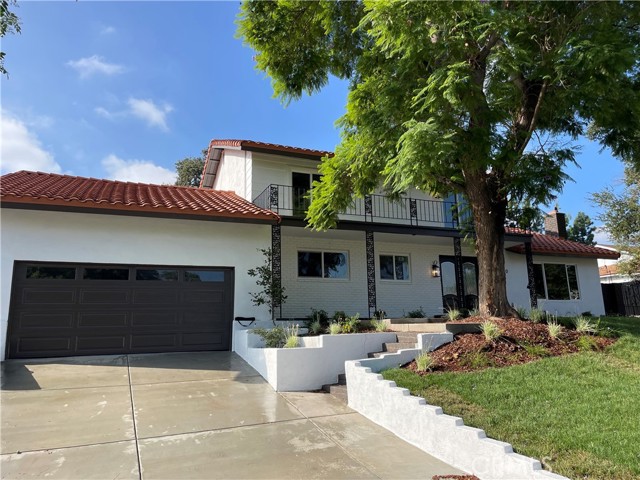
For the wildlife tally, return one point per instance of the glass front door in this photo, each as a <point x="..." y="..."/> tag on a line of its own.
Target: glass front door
<point x="469" y="283"/>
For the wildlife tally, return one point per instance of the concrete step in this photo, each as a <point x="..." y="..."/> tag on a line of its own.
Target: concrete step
<point x="407" y="337"/>
<point x="338" y="391"/>
<point x="342" y="379"/>
<point x="394" y="347"/>
<point x="417" y="327"/>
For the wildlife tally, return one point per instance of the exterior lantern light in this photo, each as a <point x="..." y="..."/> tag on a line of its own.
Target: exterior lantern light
<point x="435" y="269"/>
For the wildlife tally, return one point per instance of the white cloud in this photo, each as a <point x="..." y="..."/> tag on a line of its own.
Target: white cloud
<point x="147" y="110"/>
<point x="137" y="171"/>
<point x="103" y="112"/>
<point x="107" y="30"/>
<point x="21" y="149"/>
<point x="89" y="66"/>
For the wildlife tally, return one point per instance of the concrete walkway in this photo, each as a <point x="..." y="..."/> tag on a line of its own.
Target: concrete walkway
<point x="185" y="415"/>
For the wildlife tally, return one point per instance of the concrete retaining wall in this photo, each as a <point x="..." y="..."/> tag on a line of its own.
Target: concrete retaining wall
<point x="317" y="362"/>
<point x="425" y="426"/>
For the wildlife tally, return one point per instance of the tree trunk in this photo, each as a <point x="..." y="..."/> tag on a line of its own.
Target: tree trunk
<point x="489" y="219"/>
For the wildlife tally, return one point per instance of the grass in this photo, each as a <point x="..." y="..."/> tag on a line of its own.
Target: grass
<point x="578" y="414"/>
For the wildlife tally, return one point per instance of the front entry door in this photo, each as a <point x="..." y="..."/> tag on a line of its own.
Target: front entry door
<point x="451" y="281"/>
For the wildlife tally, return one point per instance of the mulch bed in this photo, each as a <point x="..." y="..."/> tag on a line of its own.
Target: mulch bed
<point x="471" y="351"/>
<point x="454" y="477"/>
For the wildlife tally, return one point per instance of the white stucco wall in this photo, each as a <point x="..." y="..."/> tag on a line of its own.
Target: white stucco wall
<point x="588" y="283"/>
<point x="29" y="235"/>
<point x="234" y="173"/>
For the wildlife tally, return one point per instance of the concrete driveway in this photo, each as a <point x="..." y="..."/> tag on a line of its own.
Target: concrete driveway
<point x="185" y="415"/>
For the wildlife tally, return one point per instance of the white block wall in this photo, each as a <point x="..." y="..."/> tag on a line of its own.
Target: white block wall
<point x="234" y="173"/>
<point x="29" y="235"/>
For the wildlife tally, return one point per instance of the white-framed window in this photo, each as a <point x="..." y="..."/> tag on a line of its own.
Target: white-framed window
<point x="556" y="281"/>
<point x="323" y="264"/>
<point x="394" y="267"/>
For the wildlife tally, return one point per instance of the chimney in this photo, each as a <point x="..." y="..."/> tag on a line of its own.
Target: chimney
<point x="555" y="224"/>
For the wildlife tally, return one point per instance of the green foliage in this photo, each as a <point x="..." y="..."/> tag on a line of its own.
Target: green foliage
<point x="379" y="325"/>
<point x="554" y="329"/>
<point x="9" y="23"/>
<point x="417" y="313"/>
<point x="584" y="325"/>
<point x="424" y="362"/>
<point x="335" y="328"/>
<point x="476" y="360"/>
<point x="273" y="337"/>
<point x="453" y="314"/>
<point x="379" y="314"/>
<point x="535" y="350"/>
<point x="586" y="343"/>
<point x="522" y="312"/>
<point x="189" y="171"/>
<point x="317" y="317"/>
<point x="621" y="217"/>
<point x="351" y="324"/>
<point x="490" y="330"/>
<point x="582" y="229"/>
<point x="272" y="292"/>
<point x="339" y="316"/>
<point x="476" y="98"/>
<point x="292" y="341"/>
<point x="536" y="315"/>
<point x="315" y="327"/>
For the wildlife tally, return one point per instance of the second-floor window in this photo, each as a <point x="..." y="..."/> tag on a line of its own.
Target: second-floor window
<point x="394" y="267"/>
<point x="323" y="264"/>
<point x="301" y="183"/>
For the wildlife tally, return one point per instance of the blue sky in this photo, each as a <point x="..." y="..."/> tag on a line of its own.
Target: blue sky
<point x="125" y="89"/>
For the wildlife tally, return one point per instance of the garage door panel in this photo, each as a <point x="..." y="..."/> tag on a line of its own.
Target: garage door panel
<point x="28" y="321"/>
<point x="106" y="297"/>
<point x="141" y="309"/>
<point x="41" y="296"/>
<point x="101" y="343"/>
<point x="160" y="296"/>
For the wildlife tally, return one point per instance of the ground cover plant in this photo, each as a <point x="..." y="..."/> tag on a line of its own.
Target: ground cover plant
<point x="578" y="412"/>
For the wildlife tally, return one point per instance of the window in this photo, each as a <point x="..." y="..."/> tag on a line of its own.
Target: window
<point x="323" y="264"/>
<point x="556" y="281"/>
<point x="394" y="267"/>
<point x="106" y="274"/>
<point x="51" y="273"/>
<point x="157" y="274"/>
<point x="204" y="276"/>
<point x="301" y="183"/>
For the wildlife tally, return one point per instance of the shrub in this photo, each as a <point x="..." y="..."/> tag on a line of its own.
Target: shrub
<point x="586" y="343"/>
<point x="418" y="313"/>
<point x="339" y="316"/>
<point x="273" y="337"/>
<point x="424" y="362"/>
<point x="320" y="316"/>
<point x="351" y="324"/>
<point x="379" y="314"/>
<point x="474" y="313"/>
<point x="555" y="329"/>
<point x="476" y="360"/>
<point x="536" y="350"/>
<point x="379" y="325"/>
<point x="584" y="325"/>
<point x="522" y="312"/>
<point x="536" y="315"/>
<point x="315" y="327"/>
<point x="335" y="328"/>
<point x="453" y="314"/>
<point x="292" y="340"/>
<point x="587" y="314"/>
<point x="490" y="330"/>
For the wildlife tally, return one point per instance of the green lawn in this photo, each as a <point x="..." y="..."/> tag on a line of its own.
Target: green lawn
<point x="578" y="414"/>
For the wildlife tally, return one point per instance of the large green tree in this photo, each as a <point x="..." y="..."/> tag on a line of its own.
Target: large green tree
<point x="9" y="23"/>
<point x="474" y="97"/>
<point x="190" y="169"/>
<point x="582" y="229"/>
<point x="621" y="217"/>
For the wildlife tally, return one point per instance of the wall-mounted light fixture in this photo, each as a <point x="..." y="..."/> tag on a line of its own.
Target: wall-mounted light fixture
<point x="435" y="269"/>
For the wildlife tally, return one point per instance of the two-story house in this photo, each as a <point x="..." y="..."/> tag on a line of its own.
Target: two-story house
<point x="95" y="266"/>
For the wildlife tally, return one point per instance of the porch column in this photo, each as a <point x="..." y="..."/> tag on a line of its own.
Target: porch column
<point x="276" y="266"/>
<point x="371" y="272"/>
<point x="533" y="297"/>
<point x="457" y="252"/>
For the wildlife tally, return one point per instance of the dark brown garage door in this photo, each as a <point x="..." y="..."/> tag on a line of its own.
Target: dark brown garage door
<point x="70" y="309"/>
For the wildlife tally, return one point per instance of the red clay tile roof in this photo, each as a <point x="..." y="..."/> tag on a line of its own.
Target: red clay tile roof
<point x="608" y="270"/>
<point x="549" y="245"/>
<point x="48" y="189"/>
<point x="252" y="145"/>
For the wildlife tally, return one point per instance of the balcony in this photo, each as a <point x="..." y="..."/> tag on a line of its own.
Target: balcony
<point x="293" y="202"/>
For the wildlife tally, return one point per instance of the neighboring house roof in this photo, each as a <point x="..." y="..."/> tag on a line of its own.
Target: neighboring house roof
<point x="217" y="145"/>
<point x="47" y="190"/>
<point x="606" y="270"/>
<point x="550" y="245"/>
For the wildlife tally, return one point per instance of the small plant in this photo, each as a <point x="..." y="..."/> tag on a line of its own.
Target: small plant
<point x="584" y="325"/>
<point x="317" y="316"/>
<point x="315" y="327"/>
<point x="587" y="343"/>
<point x="476" y="360"/>
<point x="555" y="329"/>
<point x="490" y="330"/>
<point x="339" y="316"/>
<point x="587" y="314"/>
<point x="379" y="314"/>
<point x="379" y="325"/>
<point x="418" y="313"/>
<point x="351" y="324"/>
<point x="475" y="313"/>
<point x="536" y="350"/>
<point x="335" y="328"/>
<point x="272" y="291"/>
<point x="522" y="312"/>
<point x="536" y="315"/>
<point x="424" y="362"/>
<point x="273" y="337"/>
<point x="292" y="341"/>
<point x="453" y="314"/>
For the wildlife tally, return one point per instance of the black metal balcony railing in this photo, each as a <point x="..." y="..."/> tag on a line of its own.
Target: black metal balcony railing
<point x="293" y="202"/>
